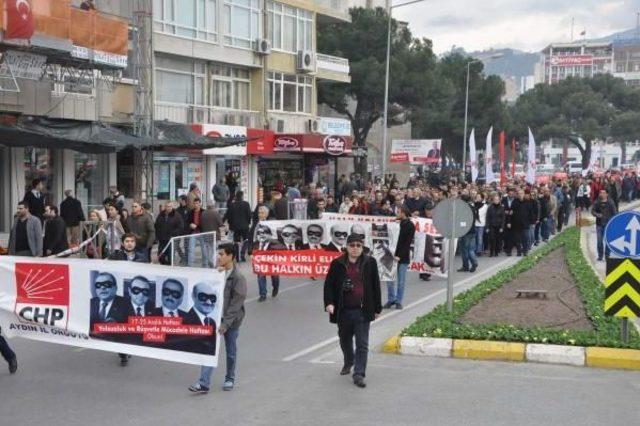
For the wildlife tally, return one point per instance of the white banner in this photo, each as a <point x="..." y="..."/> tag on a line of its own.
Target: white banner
<point x="488" y="159"/>
<point x="473" y="156"/>
<point x="531" y="159"/>
<point x="416" y="151"/>
<point x="124" y="307"/>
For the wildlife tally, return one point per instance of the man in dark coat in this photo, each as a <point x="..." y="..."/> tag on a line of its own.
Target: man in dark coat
<point x="129" y="251"/>
<point x="35" y="199"/>
<point x="352" y="297"/>
<point x="495" y="225"/>
<point x="519" y="223"/>
<point x="55" y="237"/>
<point x="395" y="292"/>
<point x="106" y="306"/>
<point x="204" y="303"/>
<point x="238" y="216"/>
<point x="168" y="224"/>
<point x="72" y="214"/>
<point x="603" y="210"/>
<point x="508" y="235"/>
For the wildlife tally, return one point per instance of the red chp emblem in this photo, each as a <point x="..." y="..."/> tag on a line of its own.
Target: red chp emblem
<point x="19" y="20"/>
<point x="334" y="145"/>
<point x="42" y="293"/>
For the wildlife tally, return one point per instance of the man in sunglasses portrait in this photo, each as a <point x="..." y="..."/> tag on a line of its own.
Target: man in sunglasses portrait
<point x="204" y="304"/>
<point x="291" y="237"/>
<point x="338" y="234"/>
<point x="172" y="295"/>
<point x="315" y="235"/>
<point x="139" y="295"/>
<point x="107" y="306"/>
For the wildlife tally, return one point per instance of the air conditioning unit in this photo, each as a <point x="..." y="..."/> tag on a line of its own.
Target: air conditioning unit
<point x="277" y="125"/>
<point x="314" y="126"/>
<point x="263" y="46"/>
<point x="306" y="61"/>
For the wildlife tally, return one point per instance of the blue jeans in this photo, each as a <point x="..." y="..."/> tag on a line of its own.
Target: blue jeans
<point x="5" y="350"/>
<point x="600" y="244"/>
<point x="352" y="323"/>
<point x="206" y="249"/>
<point x="479" y="239"/>
<point x="544" y="228"/>
<point x="230" y="338"/>
<point x="536" y="232"/>
<point x="468" y="243"/>
<point x="529" y="232"/>
<point x="392" y="294"/>
<point x="262" y="283"/>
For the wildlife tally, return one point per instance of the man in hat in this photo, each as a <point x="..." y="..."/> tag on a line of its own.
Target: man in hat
<point x="352" y="299"/>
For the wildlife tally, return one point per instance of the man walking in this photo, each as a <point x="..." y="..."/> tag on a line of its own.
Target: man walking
<point x="25" y="238"/>
<point x="141" y="224"/>
<point x="235" y="292"/>
<point x="168" y="225"/>
<point x="405" y="239"/>
<point x="238" y="216"/>
<point x="55" y="238"/>
<point x="352" y="299"/>
<point x="72" y="214"/>
<point x="35" y="199"/>
<point x="8" y="355"/>
<point x="603" y="210"/>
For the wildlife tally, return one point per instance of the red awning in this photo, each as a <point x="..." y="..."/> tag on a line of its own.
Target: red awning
<point x="313" y="143"/>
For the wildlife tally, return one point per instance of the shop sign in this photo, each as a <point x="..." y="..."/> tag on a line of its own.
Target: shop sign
<point x="334" y="145"/>
<point x="286" y="143"/>
<point x="571" y="60"/>
<point x="334" y="126"/>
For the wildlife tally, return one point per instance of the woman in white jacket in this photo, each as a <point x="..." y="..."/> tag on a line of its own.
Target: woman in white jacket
<point x="482" y="207"/>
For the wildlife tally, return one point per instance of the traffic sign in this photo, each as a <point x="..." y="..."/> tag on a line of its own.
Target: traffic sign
<point x="622" y="288"/>
<point x="621" y="234"/>
<point x="444" y="221"/>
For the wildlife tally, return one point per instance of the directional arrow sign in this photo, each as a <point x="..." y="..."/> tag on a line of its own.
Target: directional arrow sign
<point x="621" y="234"/>
<point x="622" y="288"/>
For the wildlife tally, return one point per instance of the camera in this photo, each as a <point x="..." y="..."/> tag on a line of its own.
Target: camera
<point x="347" y="286"/>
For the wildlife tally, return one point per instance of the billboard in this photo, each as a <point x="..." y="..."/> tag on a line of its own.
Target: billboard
<point x="416" y="151"/>
<point x="571" y="61"/>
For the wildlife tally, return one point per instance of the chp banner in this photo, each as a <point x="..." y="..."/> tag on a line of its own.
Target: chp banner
<point x="124" y="307"/>
<point x="305" y="248"/>
<point x="416" y="151"/>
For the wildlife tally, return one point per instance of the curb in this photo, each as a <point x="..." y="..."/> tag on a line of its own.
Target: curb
<point x="627" y="359"/>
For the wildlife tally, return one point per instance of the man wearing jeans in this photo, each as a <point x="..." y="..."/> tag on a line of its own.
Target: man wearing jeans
<point x="235" y="292"/>
<point x="403" y="247"/>
<point x="468" y="241"/>
<point x="603" y="210"/>
<point x="8" y="355"/>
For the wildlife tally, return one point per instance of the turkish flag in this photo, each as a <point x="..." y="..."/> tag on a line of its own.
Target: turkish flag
<point x="19" y="19"/>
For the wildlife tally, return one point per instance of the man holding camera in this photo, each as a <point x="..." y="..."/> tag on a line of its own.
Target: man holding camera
<point x="352" y="299"/>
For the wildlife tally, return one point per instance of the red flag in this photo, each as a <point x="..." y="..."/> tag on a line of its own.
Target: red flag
<point x="513" y="157"/>
<point x="503" y="171"/>
<point x="19" y="20"/>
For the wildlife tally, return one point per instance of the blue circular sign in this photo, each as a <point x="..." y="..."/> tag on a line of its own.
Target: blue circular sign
<point x="622" y="234"/>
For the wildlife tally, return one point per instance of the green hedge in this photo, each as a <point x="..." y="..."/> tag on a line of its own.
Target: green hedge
<point x="440" y="323"/>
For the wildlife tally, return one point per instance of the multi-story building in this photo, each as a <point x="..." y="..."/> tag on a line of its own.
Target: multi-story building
<point x="626" y="57"/>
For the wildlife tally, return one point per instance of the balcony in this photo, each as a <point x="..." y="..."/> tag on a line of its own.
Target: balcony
<point x="189" y="114"/>
<point x="333" y="11"/>
<point x="333" y="68"/>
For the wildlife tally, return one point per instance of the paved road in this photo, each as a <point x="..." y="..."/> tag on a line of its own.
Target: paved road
<point x="287" y="374"/>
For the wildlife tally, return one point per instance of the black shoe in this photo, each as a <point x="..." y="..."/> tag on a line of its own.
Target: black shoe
<point x="345" y="370"/>
<point x="359" y="381"/>
<point x="508" y="254"/>
<point x="399" y="306"/>
<point x="274" y="292"/>
<point x="473" y="268"/>
<point x="13" y="365"/>
<point x="519" y="254"/>
<point x="198" y="388"/>
<point x="463" y="270"/>
<point x="388" y="305"/>
<point x="262" y="298"/>
<point x="124" y="360"/>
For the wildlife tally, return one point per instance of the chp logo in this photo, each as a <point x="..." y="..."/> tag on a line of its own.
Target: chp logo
<point x="42" y="294"/>
<point x="286" y="143"/>
<point x="334" y="145"/>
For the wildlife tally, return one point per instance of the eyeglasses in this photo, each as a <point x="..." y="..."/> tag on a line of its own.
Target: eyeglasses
<point x="289" y="234"/>
<point x="138" y="290"/>
<point x="203" y="297"/>
<point x="314" y="233"/>
<point x="355" y="245"/>
<point x="340" y="234"/>
<point x="176" y="294"/>
<point x="106" y="284"/>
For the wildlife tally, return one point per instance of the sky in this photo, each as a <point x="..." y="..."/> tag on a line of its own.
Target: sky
<point x="528" y="25"/>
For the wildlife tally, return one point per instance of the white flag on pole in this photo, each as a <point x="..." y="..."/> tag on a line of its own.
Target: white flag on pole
<point x="473" y="156"/>
<point x="488" y="159"/>
<point x="531" y="159"/>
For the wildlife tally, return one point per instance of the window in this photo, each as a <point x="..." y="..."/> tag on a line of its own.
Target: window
<point x="180" y="81"/>
<point x="290" y="29"/>
<point x="241" y="22"/>
<point x="290" y="93"/>
<point x="230" y="87"/>
<point x="187" y="18"/>
<point x="73" y="80"/>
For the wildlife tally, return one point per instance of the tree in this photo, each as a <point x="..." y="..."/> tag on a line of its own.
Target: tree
<point x="364" y="43"/>
<point x="626" y="127"/>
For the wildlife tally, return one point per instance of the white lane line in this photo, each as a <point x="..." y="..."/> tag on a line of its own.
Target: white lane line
<point x="331" y="340"/>
<point x="284" y="290"/>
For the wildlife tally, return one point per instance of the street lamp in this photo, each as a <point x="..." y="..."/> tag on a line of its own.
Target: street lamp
<point x="466" y="112"/>
<point x="390" y="7"/>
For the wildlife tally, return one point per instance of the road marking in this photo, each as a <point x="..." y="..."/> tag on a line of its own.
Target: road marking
<point x="306" y="283"/>
<point x="331" y="340"/>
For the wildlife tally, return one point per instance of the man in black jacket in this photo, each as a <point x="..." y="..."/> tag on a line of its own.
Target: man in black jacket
<point x="603" y="210"/>
<point x="72" y="214"/>
<point x="168" y="224"/>
<point x="128" y="251"/>
<point x="352" y="299"/>
<point x="238" y="216"/>
<point x="35" y="199"/>
<point x="495" y="225"/>
<point x="519" y="223"/>
<point x="403" y="248"/>
<point x="55" y="238"/>
<point x="508" y="237"/>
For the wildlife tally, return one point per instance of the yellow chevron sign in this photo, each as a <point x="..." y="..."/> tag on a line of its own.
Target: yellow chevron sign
<point x="622" y="288"/>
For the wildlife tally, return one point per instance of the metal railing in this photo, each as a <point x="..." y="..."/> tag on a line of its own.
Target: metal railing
<point x="333" y="63"/>
<point x="183" y="113"/>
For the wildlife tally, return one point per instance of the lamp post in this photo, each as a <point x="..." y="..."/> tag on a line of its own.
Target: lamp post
<point x="466" y="112"/>
<point x="385" y="118"/>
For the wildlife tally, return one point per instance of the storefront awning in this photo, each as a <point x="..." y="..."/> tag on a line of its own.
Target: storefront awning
<point x="100" y="138"/>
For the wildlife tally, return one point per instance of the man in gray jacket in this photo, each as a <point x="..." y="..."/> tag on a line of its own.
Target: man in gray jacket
<point x="235" y="292"/>
<point x="141" y="224"/>
<point x="25" y="238"/>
